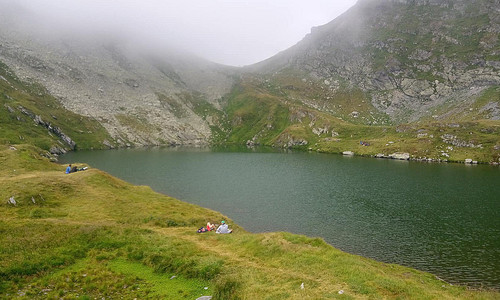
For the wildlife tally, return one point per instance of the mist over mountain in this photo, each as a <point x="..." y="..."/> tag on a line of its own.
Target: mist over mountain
<point x="228" y="32"/>
<point x="377" y="67"/>
<point x="140" y="94"/>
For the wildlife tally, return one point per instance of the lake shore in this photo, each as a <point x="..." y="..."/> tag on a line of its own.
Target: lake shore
<point x="112" y="226"/>
<point x="188" y="174"/>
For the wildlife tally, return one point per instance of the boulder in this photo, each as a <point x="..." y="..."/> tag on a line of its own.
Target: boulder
<point x="348" y="153"/>
<point x="12" y="201"/>
<point x="319" y="131"/>
<point x="468" y="161"/>
<point x="400" y="156"/>
<point x="57" y="150"/>
<point x="108" y="144"/>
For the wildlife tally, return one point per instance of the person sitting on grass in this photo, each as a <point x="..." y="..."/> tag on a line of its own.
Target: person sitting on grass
<point x="68" y="169"/>
<point x="210" y="227"/>
<point x="223" y="228"/>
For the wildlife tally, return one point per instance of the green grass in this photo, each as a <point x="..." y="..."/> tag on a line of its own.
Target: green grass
<point x="255" y="116"/>
<point x="89" y="235"/>
<point x="94" y="278"/>
<point x="274" y="111"/>
<point x="164" y="286"/>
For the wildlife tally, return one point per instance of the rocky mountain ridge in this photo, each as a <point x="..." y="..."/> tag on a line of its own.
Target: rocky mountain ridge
<point x="410" y="57"/>
<point x="140" y="98"/>
<point x="353" y="84"/>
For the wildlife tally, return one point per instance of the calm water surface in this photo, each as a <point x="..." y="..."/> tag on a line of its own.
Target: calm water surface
<point x="441" y="218"/>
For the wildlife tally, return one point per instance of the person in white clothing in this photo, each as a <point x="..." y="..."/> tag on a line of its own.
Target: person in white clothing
<point x="223" y="228"/>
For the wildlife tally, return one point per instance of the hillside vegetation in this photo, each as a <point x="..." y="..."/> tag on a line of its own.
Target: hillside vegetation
<point x="277" y="111"/>
<point x="88" y="235"/>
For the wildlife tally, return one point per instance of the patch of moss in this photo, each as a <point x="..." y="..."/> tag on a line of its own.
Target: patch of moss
<point x="172" y="105"/>
<point x="137" y="123"/>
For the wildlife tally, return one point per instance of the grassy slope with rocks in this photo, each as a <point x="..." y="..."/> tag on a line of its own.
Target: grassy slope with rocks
<point x="87" y="234"/>
<point x="404" y="76"/>
<point x="408" y="56"/>
<point x="18" y="127"/>
<point x="277" y="111"/>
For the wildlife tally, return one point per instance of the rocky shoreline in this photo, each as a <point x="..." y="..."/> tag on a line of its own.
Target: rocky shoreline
<point x="407" y="156"/>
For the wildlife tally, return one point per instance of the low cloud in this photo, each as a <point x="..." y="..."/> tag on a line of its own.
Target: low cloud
<point x="233" y="32"/>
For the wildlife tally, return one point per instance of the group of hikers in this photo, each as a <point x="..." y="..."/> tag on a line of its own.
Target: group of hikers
<point x="223" y="228"/>
<point x="73" y="169"/>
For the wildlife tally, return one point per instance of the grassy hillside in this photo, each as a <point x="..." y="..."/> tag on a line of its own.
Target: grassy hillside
<point x="21" y="102"/>
<point x="88" y="235"/>
<point x="433" y="64"/>
<point x="285" y="111"/>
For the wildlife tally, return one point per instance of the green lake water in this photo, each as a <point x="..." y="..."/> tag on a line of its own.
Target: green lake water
<point x="440" y="218"/>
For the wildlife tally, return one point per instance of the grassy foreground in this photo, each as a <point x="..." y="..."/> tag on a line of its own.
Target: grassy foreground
<point x="89" y="235"/>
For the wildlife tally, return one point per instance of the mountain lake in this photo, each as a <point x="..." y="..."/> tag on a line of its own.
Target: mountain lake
<point x="440" y="218"/>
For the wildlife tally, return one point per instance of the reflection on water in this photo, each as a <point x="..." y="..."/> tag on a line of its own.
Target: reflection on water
<point x="441" y="218"/>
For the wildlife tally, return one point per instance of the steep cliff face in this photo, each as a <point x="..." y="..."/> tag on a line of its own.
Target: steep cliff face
<point x="141" y="97"/>
<point x="413" y="58"/>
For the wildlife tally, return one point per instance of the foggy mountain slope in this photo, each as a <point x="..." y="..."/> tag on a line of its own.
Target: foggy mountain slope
<point x="140" y="96"/>
<point x="413" y="59"/>
<point x="383" y="62"/>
